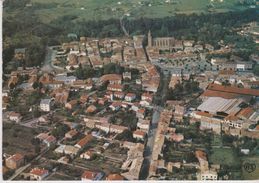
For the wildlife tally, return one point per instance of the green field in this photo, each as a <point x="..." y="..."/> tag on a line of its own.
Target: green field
<point x="106" y="9"/>
<point x="224" y="156"/>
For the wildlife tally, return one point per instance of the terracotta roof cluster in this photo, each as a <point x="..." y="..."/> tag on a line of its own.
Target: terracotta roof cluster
<point x="61" y="95"/>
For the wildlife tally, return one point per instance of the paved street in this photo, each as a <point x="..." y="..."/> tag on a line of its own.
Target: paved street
<point x="154" y="123"/>
<point x="50" y="56"/>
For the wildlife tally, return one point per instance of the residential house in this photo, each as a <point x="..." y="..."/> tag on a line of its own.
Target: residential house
<point x="176" y="137"/>
<point x="61" y="95"/>
<point x="117" y="129"/>
<point x="179" y="113"/>
<point x="38" y="174"/>
<point x="114" y="177"/>
<point x="126" y="75"/>
<point x="115" y="106"/>
<point x="144" y="125"/>
<point x="63" y="160"/>
<point x="50" y="140"/>
<point x="202" y="158"/>
<point x="87" y="155"/>
<point x="54" y="84"/>
<point x="84" y="141"/>
<point x="43" y="119"/>
<point x="19" y="53"/>
<point x="71" y="104"/>
<point x="111" y="78"/>
<point x="67" y="149"/>
<point x="15" y="161"/>
<point x="188" y="43"/>
<point x="141" y="113"/>
<point x="115" y="87"/>
<point x="103" y="101"/>
<point x="135" y="106"/>
<point x="14" y="116"/>
<point x="84" y="98"/>
<point x="68" y="80"/>
<point x="90" y="176"/>
<point x="87" y="85"/>
<point x="130" y="97"/>
<point x="139" y="134"/>
<point x="91" y="109"/>
<point x="103" y="126"/>
<point x="119" y="95"/>
<point x="147" y="97"/>
<point x="209" y="175"/>
<point x="71" y="134"/>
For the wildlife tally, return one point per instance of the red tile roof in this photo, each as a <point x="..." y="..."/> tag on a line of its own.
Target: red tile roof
<point x="89" y="175"/>
<point x="114" y="177"/>
<point x="16" y="157"/>
<point x="200" y="155"/>
<point x="246" y="112"/>
<point x="235" y="90"/>
<point x="84" y="140"/>
<point x="139" y="132"/>
<point x="110" y="77"/>
<point x="211" y="93"/>
<point x="38" y="171"/>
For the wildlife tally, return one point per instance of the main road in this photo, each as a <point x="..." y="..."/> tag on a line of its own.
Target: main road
<point x="161" y="98"/>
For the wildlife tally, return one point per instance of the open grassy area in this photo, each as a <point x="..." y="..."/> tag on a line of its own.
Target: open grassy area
<point x="224" y="156"/>
<point x="216" y="140"/>
<point x="17" y="139"/>
<point x="105" y="9"/>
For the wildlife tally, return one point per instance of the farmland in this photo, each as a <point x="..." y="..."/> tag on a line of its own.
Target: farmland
<point x="49" y="10"/>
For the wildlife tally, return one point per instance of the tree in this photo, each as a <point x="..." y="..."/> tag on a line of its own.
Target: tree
<point x="60" y="130"/>
<point x="84" y="73"/>
<point x="11" y="86"/>
<point x="35" y="85"/>
<point x="256" y="70"/>
<point x="37" y="149"/>
<point x="126" y="135"/>
<point x="112" y="68"/>
<point x="35" y="141"/>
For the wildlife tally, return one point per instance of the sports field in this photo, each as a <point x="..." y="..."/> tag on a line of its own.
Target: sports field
<point x="106" y="9"/>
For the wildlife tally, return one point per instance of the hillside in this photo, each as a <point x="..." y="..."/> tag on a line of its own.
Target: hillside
<point x="49" y="10"/>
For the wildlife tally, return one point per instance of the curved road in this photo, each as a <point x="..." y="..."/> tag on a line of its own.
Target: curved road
<point x="50" y="56"/>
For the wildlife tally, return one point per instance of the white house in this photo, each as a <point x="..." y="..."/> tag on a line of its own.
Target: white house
<point x="14" y="116"/>
<point x="209" y="175"/>
<point x="46" y="104"/>
<point x="130" y="97"/>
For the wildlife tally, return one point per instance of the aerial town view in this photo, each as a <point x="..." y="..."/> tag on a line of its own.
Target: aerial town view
<point x="105" y="90"/>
